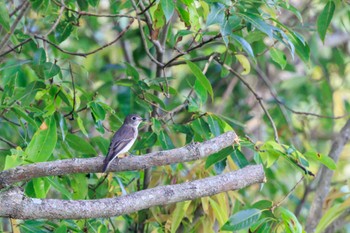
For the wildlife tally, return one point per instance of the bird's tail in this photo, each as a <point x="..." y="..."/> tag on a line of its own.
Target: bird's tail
<point x="107" y="162"/>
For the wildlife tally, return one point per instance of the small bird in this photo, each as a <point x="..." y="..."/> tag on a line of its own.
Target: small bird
<point x="123" y="139"/>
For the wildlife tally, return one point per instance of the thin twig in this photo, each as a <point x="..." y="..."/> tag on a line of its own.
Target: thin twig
<point x="8" y="142"/>
<point x="285" y="197"/>
<point x="91" y="52"/>
<point x="14" y="25"/>
<point x="146" y="8"/>
<point x="143" y="38"/>
<point x="257" y="97"/>
<point x="14" y="48"/>
<point x="74" y="97"/>
<point x="193" y="48"/>
<point x="17" y="9"/>
<point x="12" y="122"/>
<point x="280" y="102"/>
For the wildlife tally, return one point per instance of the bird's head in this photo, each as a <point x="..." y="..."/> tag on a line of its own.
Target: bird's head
<point x="133" y="120"/>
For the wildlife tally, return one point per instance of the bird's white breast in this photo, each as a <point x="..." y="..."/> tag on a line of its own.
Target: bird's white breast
<point x="127" y="148"/>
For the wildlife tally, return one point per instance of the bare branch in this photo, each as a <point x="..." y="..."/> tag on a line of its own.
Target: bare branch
<point x="189" y="152"/>
<point x="14" y="204"/>
<point x="324" y="177"/>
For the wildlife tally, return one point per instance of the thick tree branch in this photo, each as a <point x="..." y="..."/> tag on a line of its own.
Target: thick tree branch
<point x="14" y="204"/>
<point x="324" y="177"/>
<point x="189" y="152"/>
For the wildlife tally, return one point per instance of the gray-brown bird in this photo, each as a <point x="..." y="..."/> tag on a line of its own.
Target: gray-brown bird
<point x="123" y="139"/>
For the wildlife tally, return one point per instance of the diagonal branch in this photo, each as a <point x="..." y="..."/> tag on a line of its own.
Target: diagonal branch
<point x="14" y="204"/>
<point x="189" y="152"/>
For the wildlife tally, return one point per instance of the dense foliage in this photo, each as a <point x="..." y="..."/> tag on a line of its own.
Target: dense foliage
<point x="71" y="70"/>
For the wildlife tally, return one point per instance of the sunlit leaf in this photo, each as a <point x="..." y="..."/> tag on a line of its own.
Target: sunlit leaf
<point x="324" y="159"/>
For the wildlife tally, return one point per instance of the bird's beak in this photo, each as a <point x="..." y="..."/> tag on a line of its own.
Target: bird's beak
<point x="143" y="119"/>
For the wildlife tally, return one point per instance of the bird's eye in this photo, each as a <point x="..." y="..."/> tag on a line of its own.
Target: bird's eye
<point x="134" y="118"/>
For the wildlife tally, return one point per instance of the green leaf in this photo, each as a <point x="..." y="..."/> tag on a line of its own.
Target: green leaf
<point x="83" y="5"/>
<point x="239" y="158"/>
<point x="97" y="111"/>
<point x="301" y="47"/>
<point x="61" y="228"/>
<point x="165" y="140"/>
<point x="201" y="128"/>
<point x="279" y="57"/>
<point x="220" y="166"/>
<point x="46" y="70"/>
<point x="59" y="187"/>
<point x="39" y="56"/>
<point x="43" y="142"/>
<point x="147" y="141"/>
<point x="216" y="14"/>
<point x="184" y="15"/>
<point x="132" y="72"/>
<point x="101" y="143"/>
<point x="257" y="22"/>
<point x="22" y="114"/>
<point x="270" y="153"/>
<point x="158" y="15"/>
<point x="201" y="78"/>
<point x="4" y="17"/>
<point x="41" y="187"/>
<point x="79" y="144"/>
<point x="291" y="222"/>
<point x="82" y="127"/>
<point x="63" y="30"/>
<point x="94" y="3"/>
<point x="201" y="92"/>
<point x="242" y="219"/>
<point x="15" y="159"/>
<point x="263" y="204"/>
<point x="155" y="99"/>
<point x="324" y="19"/>
<point x="168" y="7"/>
<point x="79" y="186"/>
<point x="324" y="159"/>
<point x="214" y="158"/>
<point x="214" y="126"/>
<point x="125" y="82"/>
<point x="245" y="45"/>
<point x="50" y="69"/>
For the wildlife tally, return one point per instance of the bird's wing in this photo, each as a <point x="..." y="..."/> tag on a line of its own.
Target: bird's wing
<point x="119" y="141"/>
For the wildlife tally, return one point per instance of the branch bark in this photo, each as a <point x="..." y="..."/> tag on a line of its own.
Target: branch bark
<point x="192" y="151"/>
<point x="14" y="204"/>
<point x="324" y="178"/>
